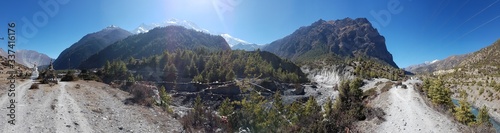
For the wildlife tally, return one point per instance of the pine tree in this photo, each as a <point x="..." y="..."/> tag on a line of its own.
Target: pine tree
<point x="198" y="111"/>
<point x="439" y="94"/>
<point x="483" y="116"/>
<point x="426" y="85"/>
<point x="295" y="112"/>
<point x="165" y="99"/>
<point x="278" y="102"/>
<point x="170" y="72"/>
<point x="230" y="75"/>
<point x="107" y="67"/>
<point x="226" y="108"/>
<point x="463" y="113"/>
<point x="311" y="107"/>
<point x="131" y="60"/>
<point x="328" y="107"/>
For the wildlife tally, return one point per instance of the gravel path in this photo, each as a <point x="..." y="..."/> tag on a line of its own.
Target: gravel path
<point x="20" y="109"/>
<point x="92" y="107"/>
<point x="69" y="116"/>
<point x="406" y="111"/>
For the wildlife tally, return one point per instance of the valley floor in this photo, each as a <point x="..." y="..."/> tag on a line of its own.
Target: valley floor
<point x="406" y="111"/>
<point x="92" y="107"/>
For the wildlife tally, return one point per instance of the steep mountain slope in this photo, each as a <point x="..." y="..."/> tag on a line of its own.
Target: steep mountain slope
<point x="90" y="44"/>
<point x="444" y="64"/>
<point x="344" y="38"/>
<point x="155" y="42"/>
<point x="486" y="57"/>
<point x="29" y="57"/>
<point x="478" y="74"/>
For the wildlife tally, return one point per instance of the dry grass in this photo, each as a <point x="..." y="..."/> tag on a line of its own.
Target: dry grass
<point x="371" y="93"/>
<point x="388" y="85"/>
<point x="142" y="94"/>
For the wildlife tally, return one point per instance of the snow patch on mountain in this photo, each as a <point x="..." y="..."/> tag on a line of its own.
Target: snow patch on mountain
<point x="232" y="40"/>
<point x="431" y="62"/>
<point x="426" y="63"/>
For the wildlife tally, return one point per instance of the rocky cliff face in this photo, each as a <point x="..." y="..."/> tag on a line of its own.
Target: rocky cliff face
<point x="344" y="38"/>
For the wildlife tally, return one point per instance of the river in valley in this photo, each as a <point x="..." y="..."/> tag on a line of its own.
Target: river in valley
<point x="475" y="111"/>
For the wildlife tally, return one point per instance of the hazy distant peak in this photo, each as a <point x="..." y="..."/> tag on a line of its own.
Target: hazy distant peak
<point x="3" y="53"/>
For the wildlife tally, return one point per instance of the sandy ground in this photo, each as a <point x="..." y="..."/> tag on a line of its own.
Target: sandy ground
<point x="406" y="112"/>
<point x="93" y="107"/>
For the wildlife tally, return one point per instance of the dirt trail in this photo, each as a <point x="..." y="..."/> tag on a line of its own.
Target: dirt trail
<point x="93" y="107"/>
<point x="20" y="108"/>
<point x="69" y="117"/>
<point x="406" y="111"/>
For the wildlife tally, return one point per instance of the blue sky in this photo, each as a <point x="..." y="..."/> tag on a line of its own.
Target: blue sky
<point x="417" y="31"/>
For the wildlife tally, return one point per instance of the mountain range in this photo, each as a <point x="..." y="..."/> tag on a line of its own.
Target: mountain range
<point x="429" y="67"/>
<point x="342" y="38"/>
<point x="155" y="42"/>
<point x="482" y="58"/>
<point x="29" y="57"/>
<point x="234" y="43"/>
<point x="89" y="45"/>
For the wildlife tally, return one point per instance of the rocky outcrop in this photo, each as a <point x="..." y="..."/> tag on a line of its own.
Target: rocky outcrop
<point x="328" y="76"/>
<point x="343" y="38"/>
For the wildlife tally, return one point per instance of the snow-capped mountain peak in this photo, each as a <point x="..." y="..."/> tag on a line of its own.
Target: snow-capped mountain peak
<point x="143" y="28"/>
<point x="232" y="40"/>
